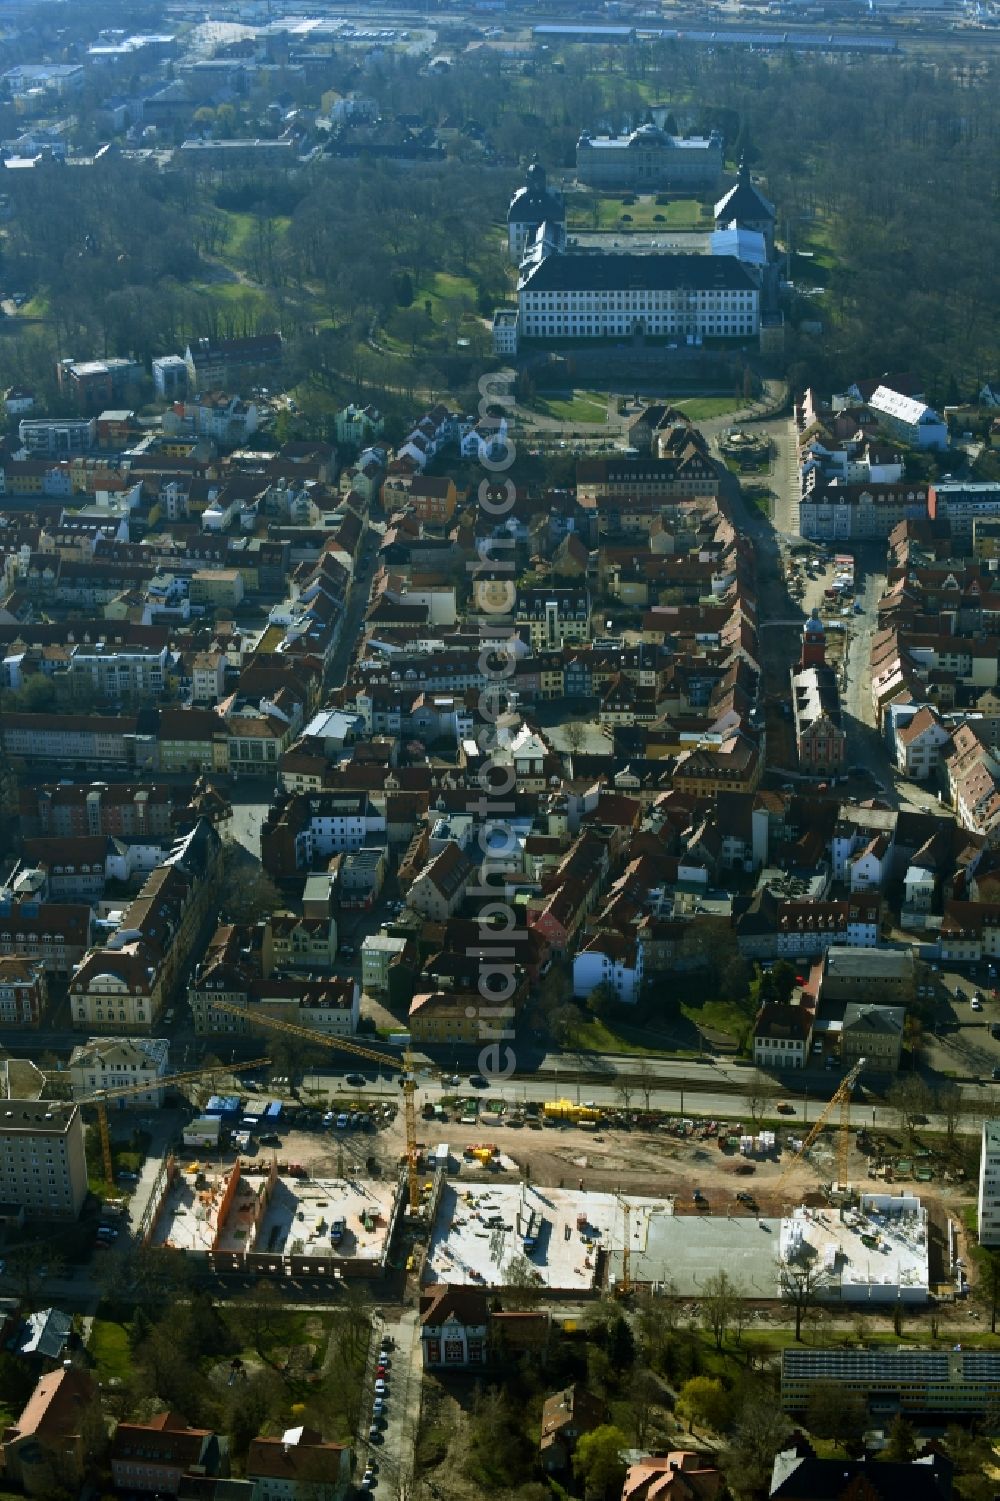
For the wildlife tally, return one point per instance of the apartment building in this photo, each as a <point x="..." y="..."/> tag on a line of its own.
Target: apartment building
<point x="124" y="985"/>
<point x="962" y="503"/>
<point x="43" y="1165"/>
<point x="298" y="1466"/>
<point x="57" y="438"/>
<point x="23" y="992"/>
<point x="55" y="935"/>
<point x="122" y="810"/>
<point x="782" y="1036"/>
<point x="439" y="889"/>
<point x="554" y="617"/>
<point x="215" y="364"/>
<point x="836" y="512"/>
<point x="989" y="1186"/>
<point x="131" y="672"/>
<point x="635" y="481"/>
<point x="378" y="952"/>
<point x="118" y="1063"/>
<point x="155" y="1457"/>
<point x="94" y="385"/>
<point x="79" y="742"/>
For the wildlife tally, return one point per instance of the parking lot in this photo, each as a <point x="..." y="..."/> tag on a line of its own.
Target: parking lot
<point x="959" y="1041"/>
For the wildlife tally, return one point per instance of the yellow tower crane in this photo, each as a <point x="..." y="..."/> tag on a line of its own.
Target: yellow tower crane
<point x="841" y="1098"/>
<point x="346" y="1045"/>
<point x="101" y="1096"/>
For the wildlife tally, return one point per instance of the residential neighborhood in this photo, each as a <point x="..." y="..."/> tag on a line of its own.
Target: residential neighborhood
<point x="499" y="753"/>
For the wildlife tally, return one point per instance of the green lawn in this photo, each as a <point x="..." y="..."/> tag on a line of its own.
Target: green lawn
<point x="644" y="216"/>
<point x="719" y="1016"/>
<point x="109" y="1347"/>
<point x="701" y="408"/>
<point x="592" y="1034"/>
<point x="241" y="230"/>
<point x="445" y="293"/>
<point x="581" y="406"/>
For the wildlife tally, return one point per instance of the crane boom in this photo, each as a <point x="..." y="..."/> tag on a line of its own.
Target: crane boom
<point x="309" y="1034"/>
<point x="190" y="1077"/>
<point x="841" y="1097"/>
<point x="101" y="1096"/>
<point x="343" y="1044"/>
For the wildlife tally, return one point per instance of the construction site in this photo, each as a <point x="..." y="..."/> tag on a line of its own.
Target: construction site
<point x="574" y="1241"/>
<point x="255" y="1217"/>
<point x="670" y="1204"/>
<point x="572" y="1196"/>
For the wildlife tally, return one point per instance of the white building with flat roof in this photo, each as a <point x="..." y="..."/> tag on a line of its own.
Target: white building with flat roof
<point x="989" y="1186"/>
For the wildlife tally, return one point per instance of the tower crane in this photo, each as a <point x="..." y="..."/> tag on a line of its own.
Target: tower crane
<point x="101" y="1096"/>
<point x="347" y="1045"/>
<point x="842" y="1098"/>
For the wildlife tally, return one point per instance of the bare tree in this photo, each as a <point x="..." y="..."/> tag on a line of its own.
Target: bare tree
<point x="741" y="1314"/>
<point x="911" y="1099"/>
<point x="644" y="1395"/>
<point x="575" y="735"/>
<point x="760" y="1094"/>
<point x="760" y="1431"/>
<point x="951" y="1106"/>
<point x="246" y="891"/>
<point x="624" y="1094"/>
<point x="801" y="1282"/>
<point x="647" y="1079"/>
<point x="718" y="1304"/>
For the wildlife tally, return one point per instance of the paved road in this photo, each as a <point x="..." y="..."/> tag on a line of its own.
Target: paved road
<point x="395" y="1455"/>
<point x="356" y="607"/>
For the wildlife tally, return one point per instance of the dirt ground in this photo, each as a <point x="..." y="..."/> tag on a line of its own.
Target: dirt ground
<point x="643" y="1160"/>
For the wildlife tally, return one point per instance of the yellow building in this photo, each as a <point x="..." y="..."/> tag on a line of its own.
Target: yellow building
<point x="735" y="766"/>
<point x="221" y="588"/>
<point x="445" y="1017"/>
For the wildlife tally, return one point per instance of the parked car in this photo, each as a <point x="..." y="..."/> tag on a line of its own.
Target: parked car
<point x="381" y="1387"/>
<point x="976" y="1004"/>
<point x="355" y="1080"/>
<point x="378" y="1407"/>
<point x="478" y="1082"/>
